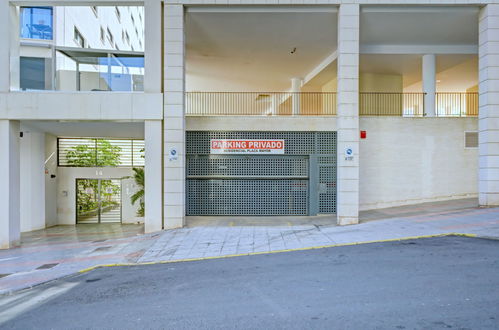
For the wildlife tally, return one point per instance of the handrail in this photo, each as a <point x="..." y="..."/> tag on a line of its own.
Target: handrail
<point x="260" y="103"/>
<point x="391" y="104"/>
<point x="460" y="104"/>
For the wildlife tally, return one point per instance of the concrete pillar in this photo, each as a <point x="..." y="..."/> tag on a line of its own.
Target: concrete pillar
<point x="153" y="175"/>
<point x="174" y="118"/>
<point x="32" y="180"/>
<point x="9" y="52"/>
<point x="488" y="115"/>
<point x="429" y="83"/>
<point x="10" y="224"/>
<point x="152" y="46"/>
<point x="295" y="96"/>
<point x="348" y="115"/>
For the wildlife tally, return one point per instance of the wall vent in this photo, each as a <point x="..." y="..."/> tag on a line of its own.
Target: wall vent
<point x="471" y="139"/>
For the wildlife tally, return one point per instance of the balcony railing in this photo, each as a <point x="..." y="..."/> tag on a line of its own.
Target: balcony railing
<point x="391" y="104"/>
<point x="456" y="104"/>
<point x="324" y="104"/>
<point x="260" y="104"/>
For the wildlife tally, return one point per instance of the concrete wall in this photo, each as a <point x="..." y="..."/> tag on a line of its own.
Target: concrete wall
<point x="32" y="186"/>
<point x="66" y="191"/>
<point x="50" y="182"/>
<point x="263" y="123"/>
<point x="375" y="82"/>
<point x="412" y="160"/>
<point x="81" y="106"/>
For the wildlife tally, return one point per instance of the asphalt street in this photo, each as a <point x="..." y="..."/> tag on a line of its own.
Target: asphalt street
<point x="431" y="283"/>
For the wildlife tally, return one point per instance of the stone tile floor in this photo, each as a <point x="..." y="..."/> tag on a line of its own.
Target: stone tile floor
<point x="65" y="250"/>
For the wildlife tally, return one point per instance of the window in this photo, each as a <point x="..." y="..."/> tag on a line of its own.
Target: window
<point x="110" y="37"/>
<point x="78" y="38"/>
<point x="118" y="13"/>
<point x="33" y="73"/>
<point x="88" y="152"/>
<point x="36" y="23"/>
<point x="94" y="9"/>
<point x="102" y="35"/>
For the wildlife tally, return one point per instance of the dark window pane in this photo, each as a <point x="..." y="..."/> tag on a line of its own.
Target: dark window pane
<point x="32" y="73"/>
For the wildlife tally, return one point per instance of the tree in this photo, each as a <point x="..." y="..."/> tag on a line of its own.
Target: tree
<point x="100" y="154"/>
<point x="139" y="195"/>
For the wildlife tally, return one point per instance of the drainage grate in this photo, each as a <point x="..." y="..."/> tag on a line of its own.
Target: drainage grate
<point x="47" y="266"/>
<point x="102" y="248"/>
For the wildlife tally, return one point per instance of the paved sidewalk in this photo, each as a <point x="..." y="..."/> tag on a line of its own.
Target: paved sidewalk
<point x="38" y="263"/>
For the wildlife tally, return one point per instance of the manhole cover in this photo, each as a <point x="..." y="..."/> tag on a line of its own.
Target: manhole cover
<point x="99" y="241"/>
<point x="47" y="266"/>
<point x="102" y="248"/>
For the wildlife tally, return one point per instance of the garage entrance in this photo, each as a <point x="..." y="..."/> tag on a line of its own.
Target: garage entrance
<point x="300" y="180"/>
<point x="98" y="201"/>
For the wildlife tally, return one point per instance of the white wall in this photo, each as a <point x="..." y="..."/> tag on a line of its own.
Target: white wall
<point x="50" y="183"/>
<point x="413" y="160"/>
<point x="261" y="123"/>
<point x="32" y="186"/>
<point x="66" y="190"/>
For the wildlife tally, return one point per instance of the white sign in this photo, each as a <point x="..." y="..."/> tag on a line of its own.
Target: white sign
<point x="348" y="154"/>
<point x="173" y="155"/>
<point x="246" y="146"/>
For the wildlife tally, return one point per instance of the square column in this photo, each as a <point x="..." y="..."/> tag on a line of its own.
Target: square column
<point x="488" y="117"/>
<point x="32" y="181"/>
<point x="174" y="118"/>
<point x="9" y="52"/>
<point x="152" y="46"/>
<point x="347" y="208"/>
<point x="153" y="171"/>
<point x="10" y="220"/>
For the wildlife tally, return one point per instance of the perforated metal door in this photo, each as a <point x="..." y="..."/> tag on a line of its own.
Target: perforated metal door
<point x="259" y="185"/>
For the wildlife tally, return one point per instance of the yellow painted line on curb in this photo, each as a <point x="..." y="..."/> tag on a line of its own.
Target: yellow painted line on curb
<point x="272" y="252"/>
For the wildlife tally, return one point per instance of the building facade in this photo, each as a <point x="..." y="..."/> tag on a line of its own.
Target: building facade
<point x="269" y="108"/>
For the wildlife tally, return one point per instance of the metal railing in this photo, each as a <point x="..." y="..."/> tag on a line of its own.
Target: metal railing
<point x="324" y="104"/>
<point x="260" y="103"/>
<point x="391" y="104"/>
<point x="456" y="104"/>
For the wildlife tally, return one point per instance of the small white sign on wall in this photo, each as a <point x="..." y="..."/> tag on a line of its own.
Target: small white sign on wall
<point x="173" y="154"/>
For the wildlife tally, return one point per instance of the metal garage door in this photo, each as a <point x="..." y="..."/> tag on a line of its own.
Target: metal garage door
<point x="301" y="181"/>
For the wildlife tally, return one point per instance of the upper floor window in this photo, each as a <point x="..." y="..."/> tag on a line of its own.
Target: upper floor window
<point x="78" y="37"/>
<point x="110" y="37"/>
<point x="102" y="35"/>
<point x="36" y="23"/>
<point x="118" y="13"/>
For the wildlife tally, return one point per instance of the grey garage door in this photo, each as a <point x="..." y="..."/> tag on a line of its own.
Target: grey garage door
<point x="299" y="182"/>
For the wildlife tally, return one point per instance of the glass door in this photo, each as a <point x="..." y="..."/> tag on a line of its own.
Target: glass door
<point x="98" y="200"/>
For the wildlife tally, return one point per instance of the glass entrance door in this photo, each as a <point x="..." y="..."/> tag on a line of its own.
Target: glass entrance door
<point x="98" y="200"/>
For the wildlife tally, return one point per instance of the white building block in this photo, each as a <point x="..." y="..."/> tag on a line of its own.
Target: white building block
<point x="174" y="118"/>
<point x="10" y="223"/>
<point x="153" y="173"/>
<point x="348" y="114"/>
<point x="488" y="123"/>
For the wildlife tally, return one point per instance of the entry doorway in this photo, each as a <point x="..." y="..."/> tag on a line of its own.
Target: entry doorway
<point x="98" y="201"/>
